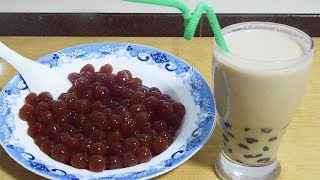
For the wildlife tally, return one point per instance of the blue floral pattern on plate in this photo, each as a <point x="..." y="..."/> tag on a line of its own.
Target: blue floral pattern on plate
<point x="13" y="92"/>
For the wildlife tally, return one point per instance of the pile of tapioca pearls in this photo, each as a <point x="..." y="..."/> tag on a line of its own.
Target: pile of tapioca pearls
<point x="105" y="121"/>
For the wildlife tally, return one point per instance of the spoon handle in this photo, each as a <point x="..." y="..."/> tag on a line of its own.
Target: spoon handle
<point x="16" y="60"/>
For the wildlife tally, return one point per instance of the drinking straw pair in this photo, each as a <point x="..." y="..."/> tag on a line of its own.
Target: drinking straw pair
<point x="192" y="19"/>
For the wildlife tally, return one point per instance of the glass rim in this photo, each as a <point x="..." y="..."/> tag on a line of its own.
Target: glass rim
<point x="228" y="29"/>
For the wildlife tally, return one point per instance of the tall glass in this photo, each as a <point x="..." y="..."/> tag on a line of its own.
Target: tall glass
<point x="257" y="87"/>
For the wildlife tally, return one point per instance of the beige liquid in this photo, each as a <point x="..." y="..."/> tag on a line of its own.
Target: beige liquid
<point x="255" y="99"/>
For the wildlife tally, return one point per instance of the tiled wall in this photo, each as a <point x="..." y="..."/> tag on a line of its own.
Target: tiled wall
<point x="118" y="6"/>
<point x="120" y="18"/>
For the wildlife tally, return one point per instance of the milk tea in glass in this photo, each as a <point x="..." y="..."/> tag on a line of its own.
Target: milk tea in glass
<point x="257" y="86"/>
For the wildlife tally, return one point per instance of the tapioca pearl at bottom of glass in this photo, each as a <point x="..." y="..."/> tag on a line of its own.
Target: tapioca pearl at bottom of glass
<point x="265" y="148"/>
<point x="230" y="134"/>
<point x="225" y="138"/>
<point x="224" y="143"/>
<point x="251" y="140"/>
<point x="272" y="139"/>
<point x="263" y="160"/>
<point x="266" y="130"/>
<point x="226" y="124"/>
<point x="243" y="146"/>
<point x="239" y="161"/>
<point x="252" y="156"/>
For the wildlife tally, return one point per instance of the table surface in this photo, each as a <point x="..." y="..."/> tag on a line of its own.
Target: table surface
<point x="299" y="153"/>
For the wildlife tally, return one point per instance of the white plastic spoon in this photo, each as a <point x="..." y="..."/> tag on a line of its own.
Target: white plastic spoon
<point x="38" y="77"/>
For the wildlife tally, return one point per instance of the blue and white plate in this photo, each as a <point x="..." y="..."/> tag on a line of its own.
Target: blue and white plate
<point x="156" y="68"/>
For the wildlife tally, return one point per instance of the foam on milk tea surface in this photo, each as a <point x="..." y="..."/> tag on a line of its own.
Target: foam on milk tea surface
<point x="263" y="45"/>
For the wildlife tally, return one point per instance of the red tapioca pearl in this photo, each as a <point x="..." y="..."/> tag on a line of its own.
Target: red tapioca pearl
<point x="128" y="126"/>
<point x="126" y="103"/>
<point x="45" y="97"/>
<point x="46" y="117"/>
<point x="138" y="98"/>
<point x="116" y="148"/>
<point x="79" y="160"/>
<point x="167" y="136"/>
<point x="70" y="142"/>
<point x="137" y="108"/>
<point x="102" y="93"/>
<point x="115" y="121"/>
<point x="131" y="144"/>
<point x="98" y="135"/>
<point x="97" y="163"/>
<point x="155" y="89"/>
<point x="86" y="145"/>
<point x="159" y="144"/>
<point x="88" y="67"/>
<point x="97" y="106"/>
<point x="115" y="162"/>
<point x="119" y="109"/>
<point x="46" y="146"/>
<point x="52" y="130"/>
<point x="79" y="136"/>
<point x="32" y="99"/>
<point x="60" y="153"/>
<point x="115" y="136"/>
<point x="159" y="126"/>
<point x="70" y="99"/>
<point x="89" y="96"/>
<point x="143" y="90"/>
<point x="68" y="128"/>
<point x="41" y="107"/>
<point x="72" y="77"/>
<point x="27" y="112"/>
<point x="123" y="77"/>
<point x="88" y="75"/>
<point x="107" y="69"/>
<point x="107" y="112"/>
<point x="98" y="148"/>
<point x="125" y="115"/>
<point x="80" y="122"/>
<point x="135" y="83"/>
<point x="97" y="118"/>
<point x="179" y="109"/>
<point x="165" y="110"/>
<point x="143" y="154"/>
<point x="88" y="129"/>
<point x="36" y="129"/>
<point x="144" y="139"/>
<point x="127" y="93"/>
<point x="164" y="97"/>
<point x="62" y="96"/>
<point x="81" y="106"/>
<point x="129" y="159"/>
<point x="39" y="139"/>
<point x="110" y="81"/>
<point x="142" y="120"/>
<point x="58" y="108"/>
<point x="151" y="103"/>
<point x="154" y="93"/>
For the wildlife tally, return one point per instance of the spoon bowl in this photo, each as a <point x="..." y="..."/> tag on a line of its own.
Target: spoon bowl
<point x="37" y="76"/>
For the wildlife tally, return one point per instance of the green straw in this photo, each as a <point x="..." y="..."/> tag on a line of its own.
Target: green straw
<point x="192" y="19"/>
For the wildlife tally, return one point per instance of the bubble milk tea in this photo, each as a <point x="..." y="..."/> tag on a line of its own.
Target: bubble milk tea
<point x="257" y="87"/>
